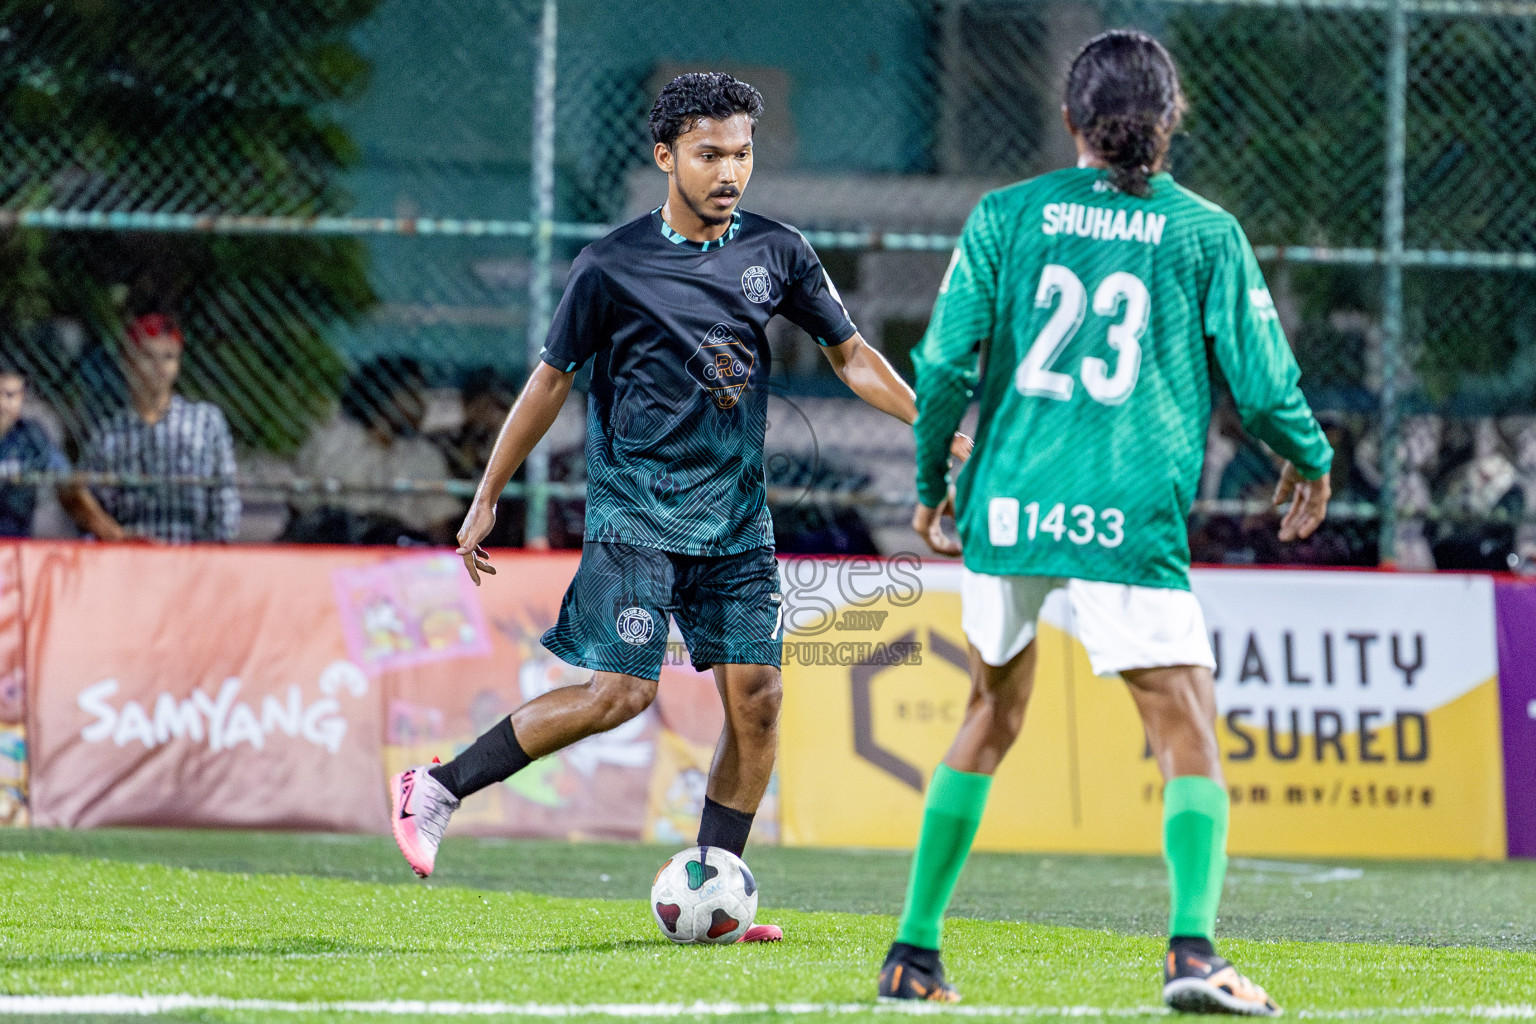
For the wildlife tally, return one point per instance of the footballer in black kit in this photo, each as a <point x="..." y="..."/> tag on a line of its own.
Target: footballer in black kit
<point x="672" y="310"/>
<point x="677" y="514"/>
<point x="677" y="332"/>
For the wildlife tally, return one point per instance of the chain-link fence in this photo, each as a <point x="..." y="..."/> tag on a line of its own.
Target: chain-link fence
<point x="361" y="211"/>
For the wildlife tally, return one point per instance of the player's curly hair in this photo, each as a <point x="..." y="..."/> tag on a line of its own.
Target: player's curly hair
<point x="689" y="99"/>
<point x="1123" y="95"/>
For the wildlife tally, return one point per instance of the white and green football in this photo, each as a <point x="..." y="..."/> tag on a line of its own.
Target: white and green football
<point x="706" y="895"/>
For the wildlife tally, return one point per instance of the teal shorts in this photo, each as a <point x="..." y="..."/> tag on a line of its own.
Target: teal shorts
<point x="614" y="618"/>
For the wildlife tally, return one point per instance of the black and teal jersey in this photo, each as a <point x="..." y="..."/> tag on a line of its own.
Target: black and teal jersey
<point x="677" y="335"/>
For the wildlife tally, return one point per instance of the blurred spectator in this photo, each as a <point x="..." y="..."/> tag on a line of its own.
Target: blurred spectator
<point x="183" y="447"/>
<point x="1348" y="481"/>
<point x="1481" y="484"/>
<point x="1521" y="431"/>
<point x="1222" y="438"/>
<point x="487" y="398"/>
<point x="567" y="522"/>
<point x="26" y="448"/>
<point x="371" y="445"/>
<point x="1250" y="475"/>
<point x="1237" y="469"/>
<point x="1482" y="503"/>
<point x="1340" y="540"/>
<point x="1418" y="455"/>
<point x="1240" y="469"/>
<point x="806" y="527"/>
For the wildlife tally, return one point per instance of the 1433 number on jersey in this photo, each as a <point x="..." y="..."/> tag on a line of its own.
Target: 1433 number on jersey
<point x="1079" y="524"/>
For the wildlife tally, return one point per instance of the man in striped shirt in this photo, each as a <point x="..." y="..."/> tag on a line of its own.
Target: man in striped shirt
<point x="184" y="448"/>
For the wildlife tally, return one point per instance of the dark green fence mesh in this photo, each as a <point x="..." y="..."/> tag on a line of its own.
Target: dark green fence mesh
<point x="337" y="200"/>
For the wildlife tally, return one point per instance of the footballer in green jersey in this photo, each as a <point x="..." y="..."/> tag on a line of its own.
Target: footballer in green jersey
<point x="1091" y="295"/>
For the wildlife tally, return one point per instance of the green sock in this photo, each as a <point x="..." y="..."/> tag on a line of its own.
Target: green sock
<point x="950" y="819"/>
<point x="1195" y="847"/>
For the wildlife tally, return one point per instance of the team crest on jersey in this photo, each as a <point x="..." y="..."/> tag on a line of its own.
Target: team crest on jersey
<point x="755" y="284"/>
<point x="635" y="626"/>
<point x="722" y="365"/>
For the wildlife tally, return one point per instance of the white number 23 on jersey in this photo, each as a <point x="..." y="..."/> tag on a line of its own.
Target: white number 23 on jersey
<point x="1061" y="287"/>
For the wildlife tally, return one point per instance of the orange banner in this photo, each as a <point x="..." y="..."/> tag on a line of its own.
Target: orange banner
<point x="180" y="686"/>
<point x="279" y="687"/>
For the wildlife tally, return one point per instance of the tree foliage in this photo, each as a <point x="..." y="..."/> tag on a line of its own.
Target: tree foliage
<point x="182" y="106"/>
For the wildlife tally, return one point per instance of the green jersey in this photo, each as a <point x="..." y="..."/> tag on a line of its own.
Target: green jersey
<point x="1091" y="310"/>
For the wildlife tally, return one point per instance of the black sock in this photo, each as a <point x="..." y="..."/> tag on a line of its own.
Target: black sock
<point x="1196" y="944"/>
<point x="925" y="960"/>
<point x="724" y="828"/>
<point x="495" y="756"/>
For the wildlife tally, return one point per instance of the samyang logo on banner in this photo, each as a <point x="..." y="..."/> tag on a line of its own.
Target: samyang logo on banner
<point x="213" y="686"/>
<point x="197" y="686"/>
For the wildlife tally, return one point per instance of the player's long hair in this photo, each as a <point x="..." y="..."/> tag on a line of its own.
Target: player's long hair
<point x="1123" y="96"/>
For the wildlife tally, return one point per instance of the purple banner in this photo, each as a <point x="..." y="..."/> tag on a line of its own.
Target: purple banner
<point x="1516" y="607"/>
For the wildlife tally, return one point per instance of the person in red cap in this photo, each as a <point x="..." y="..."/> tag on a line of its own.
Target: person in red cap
<point x="177" y="456"/>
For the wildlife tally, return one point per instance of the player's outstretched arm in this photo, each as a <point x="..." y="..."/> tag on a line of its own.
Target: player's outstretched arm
<point x="867" y="373"/>
<point x="530" y="419"/>
<point x="870" y="375"/>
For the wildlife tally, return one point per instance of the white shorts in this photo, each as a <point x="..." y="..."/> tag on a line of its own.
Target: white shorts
<point x="1123" y="627"/>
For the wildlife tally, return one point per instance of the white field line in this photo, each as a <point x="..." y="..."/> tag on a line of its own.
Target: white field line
<point x="122" y="1005"/>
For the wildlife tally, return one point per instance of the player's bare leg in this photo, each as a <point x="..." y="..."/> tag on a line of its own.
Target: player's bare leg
<point x="957" y="795"/>
<point x="1178" y="709"/>
<point x="994" y="712"/>
<point x="555" y="720"/>
<point x="423" y="798"/>
<point x="738" y="778"/>
<point x="752" y="695"/>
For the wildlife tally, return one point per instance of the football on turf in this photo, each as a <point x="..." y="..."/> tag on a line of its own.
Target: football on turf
<point x="705" y="894"/>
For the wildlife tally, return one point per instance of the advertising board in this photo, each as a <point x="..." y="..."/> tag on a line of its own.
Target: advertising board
<point x="1358" y="715"/>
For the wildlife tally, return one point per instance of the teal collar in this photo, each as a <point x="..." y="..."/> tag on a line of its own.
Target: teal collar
<point x="677" y="239"/>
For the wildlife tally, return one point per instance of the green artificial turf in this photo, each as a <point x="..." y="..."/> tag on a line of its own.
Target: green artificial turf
<point x="74" y="925"/>
<point x="1413" y="902"/>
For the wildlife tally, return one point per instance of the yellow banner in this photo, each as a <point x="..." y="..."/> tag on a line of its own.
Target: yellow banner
<point x="1358" y="716"/>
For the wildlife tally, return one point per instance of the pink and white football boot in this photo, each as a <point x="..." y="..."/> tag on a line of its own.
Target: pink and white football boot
<point x="420" y="807"/>
<point x="762" y="933"/>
